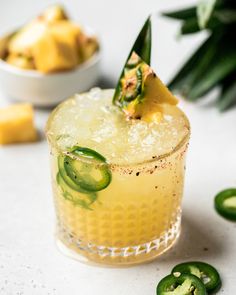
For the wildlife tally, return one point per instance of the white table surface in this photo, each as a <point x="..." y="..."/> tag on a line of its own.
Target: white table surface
<point x="29" y="261"/>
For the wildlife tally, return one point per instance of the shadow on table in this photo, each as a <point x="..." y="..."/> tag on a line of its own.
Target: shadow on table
<point x="196" y="242"/>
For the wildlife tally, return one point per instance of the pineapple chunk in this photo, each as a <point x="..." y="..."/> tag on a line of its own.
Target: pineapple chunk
<point x="49" y="43"/>
<point x="23" y="41"/>
<point x="87" y="46"/>
<point x="20" y="61"/>
<point x="54" y="13"/>
<point x="3" y="46"/>
<point x="141" y="94"/>
<point x="16" y="124"/>
<point x="57" y="49"/>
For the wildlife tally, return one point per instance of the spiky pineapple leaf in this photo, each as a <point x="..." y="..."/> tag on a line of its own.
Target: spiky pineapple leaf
<point x="182" y="14"/>
<point x="142" y="46"/>
<point x="189" y="26"/>
<point x="227" y="96"/>
<point x="215" y="61"/>
<point x="220" y="66"/>
<point x="195" y="66"/>
<point x="180" y="78"/>
<point x="226" y="16"/>
<point x="205" y="9"/>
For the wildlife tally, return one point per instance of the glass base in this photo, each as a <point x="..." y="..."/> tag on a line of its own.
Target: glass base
<point x="114" y="256"/>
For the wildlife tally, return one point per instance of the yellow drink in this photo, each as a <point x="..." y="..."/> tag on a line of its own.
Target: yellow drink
<point x="137" y="215"/>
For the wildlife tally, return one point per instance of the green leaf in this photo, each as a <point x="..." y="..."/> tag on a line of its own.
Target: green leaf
<point x="179" y="82"/>
<point x="226" y="16"/>
<point x="191" y="12"/>
<point x="182" y="14"/>
<point x="190" y="26"/>
<point x="195" y="66"/>
<point x="143" y="43"/>
<point x="228" y="96"/>
<point x="142" y="46"/>
<point x="215" y="60"/>
<point x="204" y="11"/>
<point x="223" y="63"/>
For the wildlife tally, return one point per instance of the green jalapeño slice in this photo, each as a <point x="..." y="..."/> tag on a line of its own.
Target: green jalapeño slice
<point x="84" y="170"/>
<point x="132" y="86"/>
<point x="183" y="284"/>
<point x="78" y="198"/>
<point x="207" y="273"/>
<point x="67" y="180"/>
<point x="225" y="203"/>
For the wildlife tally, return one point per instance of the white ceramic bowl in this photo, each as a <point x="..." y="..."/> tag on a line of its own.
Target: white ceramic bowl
<point x="46" y="90"/>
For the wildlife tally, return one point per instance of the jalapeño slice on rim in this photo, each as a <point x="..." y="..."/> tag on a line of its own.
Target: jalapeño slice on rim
<point x="82" y="199"/>
<point x="65" y="177"/>
<point x="84" y="170"/>
<point x="207" y="273"/>
<point x="132" y="85"/>
<point x="184" y="284"/>
<point x="142" y="46"/>
<point x="225" y="203"/>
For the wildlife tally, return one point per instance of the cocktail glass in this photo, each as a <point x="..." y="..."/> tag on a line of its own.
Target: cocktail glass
<point x="133" y="217"/>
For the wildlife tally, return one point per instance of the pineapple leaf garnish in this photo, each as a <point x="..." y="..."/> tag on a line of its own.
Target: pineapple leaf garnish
<point x="140" y="93"/>
<point x="142" y="47"/>
<point x="143" y="43"/>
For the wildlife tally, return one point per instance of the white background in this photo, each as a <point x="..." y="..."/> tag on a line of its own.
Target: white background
<point x="29" y="261"/>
